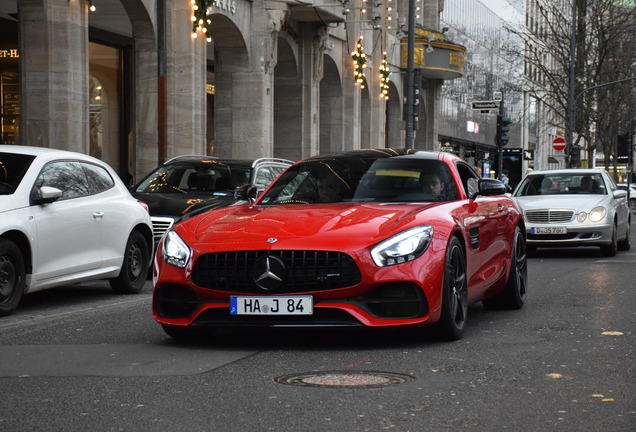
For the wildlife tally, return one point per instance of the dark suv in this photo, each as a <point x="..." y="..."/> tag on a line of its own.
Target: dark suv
<point x="189" y="185"/>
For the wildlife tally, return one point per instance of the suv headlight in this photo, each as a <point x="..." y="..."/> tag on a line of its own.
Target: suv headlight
<point x="175" y="251"/>
<point x="403" y="247"/>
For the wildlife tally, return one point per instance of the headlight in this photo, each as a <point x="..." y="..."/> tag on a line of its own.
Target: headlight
<point x="175" y="251"/>
<point x="403" y="247"/>
<point x="597" y="214"/>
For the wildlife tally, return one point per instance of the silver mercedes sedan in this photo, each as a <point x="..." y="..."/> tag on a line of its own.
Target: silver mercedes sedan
<point x="574" y="207"/>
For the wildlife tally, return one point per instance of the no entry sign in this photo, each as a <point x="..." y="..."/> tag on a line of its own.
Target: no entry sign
<point x="558" y="144"/>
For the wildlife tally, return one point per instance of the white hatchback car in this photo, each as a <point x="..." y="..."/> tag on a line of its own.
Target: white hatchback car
<point x="574" y="207"/>
<point x="64" y="218"/>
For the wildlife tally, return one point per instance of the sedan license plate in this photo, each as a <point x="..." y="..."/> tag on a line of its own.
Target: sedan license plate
<point x="261" y="305"/>
<point x="549" y="230"/>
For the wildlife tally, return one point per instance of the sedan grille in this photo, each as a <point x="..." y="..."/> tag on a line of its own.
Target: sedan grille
<point x="296" y="271"/>
<point x="160" y="225"/>
<point x="549" y="216"/>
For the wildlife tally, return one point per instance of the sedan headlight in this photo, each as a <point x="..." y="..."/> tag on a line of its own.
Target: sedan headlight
<point x="597" y="214"/>
<point x="175" y="251"/>
<point x="403" y="247"/>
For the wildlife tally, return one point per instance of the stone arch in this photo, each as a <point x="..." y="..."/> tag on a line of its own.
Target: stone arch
<point x="331" y="108"/>
<point x="287" y="104"/>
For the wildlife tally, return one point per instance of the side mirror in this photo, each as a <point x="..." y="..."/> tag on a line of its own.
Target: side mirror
<point x="246" y="192"/>
<point x="45" y="195"/>
<point x="490" y="186"/>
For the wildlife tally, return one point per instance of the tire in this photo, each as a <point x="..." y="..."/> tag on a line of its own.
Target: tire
<point x="610" y="249"/>
<point x="452" y="321"/>
<point x="625" y="243"/>
<point x="12" y="277"/>
<point x="514" y="294"/>
<point x="134" y="269"/>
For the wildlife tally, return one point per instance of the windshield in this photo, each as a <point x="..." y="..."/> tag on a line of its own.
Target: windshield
<point x="209" y="178"/>
<point x="562" y="184"/>
<point x="363" y="180"/>
<point x="12" y="170"/>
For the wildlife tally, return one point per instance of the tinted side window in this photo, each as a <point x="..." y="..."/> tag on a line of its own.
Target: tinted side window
<point x="67" y="176"/>
<point x="98" y="178"/>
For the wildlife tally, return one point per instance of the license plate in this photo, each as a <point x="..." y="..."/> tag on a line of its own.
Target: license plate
<point x="261" y="305"/>
<point x="549" y="230"/>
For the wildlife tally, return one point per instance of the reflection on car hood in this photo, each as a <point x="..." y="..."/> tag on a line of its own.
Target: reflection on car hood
<point x="573" y="202"/>
<point x="333" y="224"/>
<point x="177" y="205"/>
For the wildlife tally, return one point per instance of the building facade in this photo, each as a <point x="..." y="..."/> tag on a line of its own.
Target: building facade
<point x="134" y="82"/>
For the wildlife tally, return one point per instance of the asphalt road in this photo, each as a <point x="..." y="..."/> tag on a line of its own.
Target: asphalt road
<point x="84" y="359"/>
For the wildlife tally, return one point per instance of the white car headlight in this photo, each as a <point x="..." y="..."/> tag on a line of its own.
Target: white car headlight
<point x="597" y="214"/>
<point x="402" y="247"/>
<point x="175" y="251"/>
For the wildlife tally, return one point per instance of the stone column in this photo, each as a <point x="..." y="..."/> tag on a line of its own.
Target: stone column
<point x="186" y="79"/>
<point x="54" y="74"/>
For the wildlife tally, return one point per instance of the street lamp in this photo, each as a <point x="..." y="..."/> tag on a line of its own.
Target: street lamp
<point x="410" y="66"/>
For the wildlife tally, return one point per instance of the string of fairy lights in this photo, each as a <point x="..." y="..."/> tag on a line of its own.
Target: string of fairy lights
<point x="200" y="21"/>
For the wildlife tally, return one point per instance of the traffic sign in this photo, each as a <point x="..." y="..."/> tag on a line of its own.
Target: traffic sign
<point x="558" y="144"/>
<point x="482" y="105"/>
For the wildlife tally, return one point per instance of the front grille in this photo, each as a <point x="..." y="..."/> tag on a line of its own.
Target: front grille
<point x="160" y="225"/>
<point x="305" y="271"/>
<point x="549" y="216"/>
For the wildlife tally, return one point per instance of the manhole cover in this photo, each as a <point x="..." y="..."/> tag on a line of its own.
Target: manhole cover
<point x="366" y="379"/>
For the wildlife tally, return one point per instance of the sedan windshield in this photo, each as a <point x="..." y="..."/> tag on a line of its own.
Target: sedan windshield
<point x="204" y="178"/>
<point x="363" y="180"/>
<point x="12" y="170"/>
<point x="562" y="184"/>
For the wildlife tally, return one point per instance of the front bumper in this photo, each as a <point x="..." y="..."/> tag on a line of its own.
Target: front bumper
<point x="578" y="234"/>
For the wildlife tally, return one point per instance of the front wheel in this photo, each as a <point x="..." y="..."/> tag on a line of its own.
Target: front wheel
<point x="452" y="321"/>
<point x="514" y="294"/>
<point x="134" y="269"/>
<point x="12" y="276"/>
<point x="610" y="249"/>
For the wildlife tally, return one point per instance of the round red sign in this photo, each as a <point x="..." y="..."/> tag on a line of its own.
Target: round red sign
<point x="558" y="144"/>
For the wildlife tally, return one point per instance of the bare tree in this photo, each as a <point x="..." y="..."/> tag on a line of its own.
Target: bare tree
<point x="602" y="54"/>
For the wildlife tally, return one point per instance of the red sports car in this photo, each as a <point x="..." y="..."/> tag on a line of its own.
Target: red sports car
<point x="378" y="237"/>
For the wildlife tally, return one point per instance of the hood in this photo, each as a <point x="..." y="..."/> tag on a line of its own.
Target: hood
<point x="293" y="226"/>
<point x="178" y="205"/>
<point x="569" y="202"/>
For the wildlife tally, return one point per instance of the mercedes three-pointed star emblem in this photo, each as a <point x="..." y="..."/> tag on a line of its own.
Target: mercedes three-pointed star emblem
<point x="269" y="272"/>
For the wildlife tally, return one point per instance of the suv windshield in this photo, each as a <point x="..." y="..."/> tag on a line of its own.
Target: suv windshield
<point x="363" y="180"/>
<point x="12" y="170"/>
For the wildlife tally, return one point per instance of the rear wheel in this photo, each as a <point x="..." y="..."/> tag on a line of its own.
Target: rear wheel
<point x="454" y="293"/>
<point x="514" y="294"/>
<point x="12" y="276"/>
<point x="134" y="269"/>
